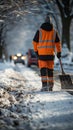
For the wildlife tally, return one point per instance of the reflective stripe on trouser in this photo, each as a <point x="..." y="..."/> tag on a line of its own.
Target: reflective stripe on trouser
<point x="44" y="80"/>
<point x="47" y="77"/>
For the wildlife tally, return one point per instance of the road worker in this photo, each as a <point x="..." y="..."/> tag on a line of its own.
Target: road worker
<point x="46" y="43"/>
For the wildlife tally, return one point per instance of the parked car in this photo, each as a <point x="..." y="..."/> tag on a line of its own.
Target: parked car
<point x="18" y="58"/>
<point x="31" y="58"/>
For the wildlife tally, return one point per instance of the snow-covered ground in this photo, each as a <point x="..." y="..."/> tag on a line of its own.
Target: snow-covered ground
<point x="67" y="60"/>
<point x="24" y="107"/>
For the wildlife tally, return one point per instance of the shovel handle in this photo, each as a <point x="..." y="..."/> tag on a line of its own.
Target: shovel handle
<point x="61" y="66"/>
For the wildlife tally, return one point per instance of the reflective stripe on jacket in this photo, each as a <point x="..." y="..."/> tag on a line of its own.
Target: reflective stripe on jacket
<point x="45" y="43"/>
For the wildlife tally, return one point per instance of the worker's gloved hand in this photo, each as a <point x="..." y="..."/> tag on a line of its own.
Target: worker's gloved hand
<point x="59" y="54"/>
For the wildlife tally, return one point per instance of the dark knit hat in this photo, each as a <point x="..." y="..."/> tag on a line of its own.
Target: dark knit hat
<point x="47" y="19"/>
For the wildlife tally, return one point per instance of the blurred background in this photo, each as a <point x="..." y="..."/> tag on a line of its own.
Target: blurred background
<point x="20" y="19"/>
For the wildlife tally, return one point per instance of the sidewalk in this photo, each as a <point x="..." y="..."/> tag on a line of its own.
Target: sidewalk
<point x="51" y="111"/>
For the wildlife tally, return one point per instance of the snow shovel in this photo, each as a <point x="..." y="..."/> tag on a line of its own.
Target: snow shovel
<point x="65" y="79"/>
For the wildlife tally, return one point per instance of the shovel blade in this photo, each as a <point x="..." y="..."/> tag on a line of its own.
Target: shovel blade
<point x="66" y="82"/>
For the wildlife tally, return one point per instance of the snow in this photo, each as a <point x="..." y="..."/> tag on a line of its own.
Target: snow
<point x="24" y="106"/>
<point x="67" y="60"/>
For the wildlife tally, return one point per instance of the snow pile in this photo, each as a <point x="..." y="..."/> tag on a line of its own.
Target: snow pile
<point x="13" y="108"/>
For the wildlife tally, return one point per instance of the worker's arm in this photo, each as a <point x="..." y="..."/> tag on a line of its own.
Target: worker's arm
<point x="58" y="45"/>
<point x="35" y="42"/>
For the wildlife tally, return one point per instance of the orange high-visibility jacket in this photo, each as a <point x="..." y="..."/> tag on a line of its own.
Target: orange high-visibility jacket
<point x="46" y="42"/>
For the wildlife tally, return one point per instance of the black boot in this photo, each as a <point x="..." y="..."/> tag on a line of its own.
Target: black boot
<point x="44" y="87"/>
<point x="50" y="89"/>
<point x="50" y="86"/>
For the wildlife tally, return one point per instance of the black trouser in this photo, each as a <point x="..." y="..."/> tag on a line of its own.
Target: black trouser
<point x="46" y="76"/>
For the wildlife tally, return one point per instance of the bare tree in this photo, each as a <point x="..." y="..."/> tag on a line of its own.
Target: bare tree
<point x="65" y="8"/>
<point x="10" y="12"/>
<point x="66" y="11"/>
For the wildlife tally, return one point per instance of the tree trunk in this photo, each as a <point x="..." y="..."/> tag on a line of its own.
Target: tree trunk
<point x="1" y="48"/>
<point x="66" y="31"/>
<point x="1" y="45"/>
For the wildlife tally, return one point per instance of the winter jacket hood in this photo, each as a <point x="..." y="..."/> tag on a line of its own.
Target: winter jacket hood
<point x="47" y="26"/>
